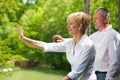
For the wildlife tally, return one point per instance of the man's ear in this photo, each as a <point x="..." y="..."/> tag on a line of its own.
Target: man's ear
<point x="106" y="19"/>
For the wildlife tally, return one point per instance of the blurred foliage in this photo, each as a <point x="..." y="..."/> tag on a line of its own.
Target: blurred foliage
<point x="41" y="21"/>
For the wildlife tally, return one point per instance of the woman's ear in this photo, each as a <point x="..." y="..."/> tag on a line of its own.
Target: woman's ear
<point x="80" y="27"/>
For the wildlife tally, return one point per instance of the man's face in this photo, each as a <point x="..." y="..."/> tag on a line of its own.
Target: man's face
<point x="98" y="20"/>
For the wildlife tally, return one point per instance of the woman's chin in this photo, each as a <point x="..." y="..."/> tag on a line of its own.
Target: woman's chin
<point x="70" y="34"/>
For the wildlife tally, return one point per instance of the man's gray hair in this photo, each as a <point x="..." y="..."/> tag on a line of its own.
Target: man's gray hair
<point x="105" y="12"/>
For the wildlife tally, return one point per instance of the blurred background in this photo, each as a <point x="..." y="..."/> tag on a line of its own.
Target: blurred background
<point x="41" y="19"/>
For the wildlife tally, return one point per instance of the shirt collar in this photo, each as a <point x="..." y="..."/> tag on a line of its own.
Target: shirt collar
<point x="108" y="28"/>
<point x="82" y="39"/>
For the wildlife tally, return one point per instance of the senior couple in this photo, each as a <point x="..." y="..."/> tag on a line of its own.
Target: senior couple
<point x="96" y="57"/>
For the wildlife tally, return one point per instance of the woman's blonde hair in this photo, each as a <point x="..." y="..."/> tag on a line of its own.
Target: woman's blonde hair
<point x="80" y="18"/>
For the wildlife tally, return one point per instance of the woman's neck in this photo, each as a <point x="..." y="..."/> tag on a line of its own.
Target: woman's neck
<point x="78" y="38"/>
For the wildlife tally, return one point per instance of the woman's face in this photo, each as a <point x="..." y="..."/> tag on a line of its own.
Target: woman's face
<point x="73" y="29"/>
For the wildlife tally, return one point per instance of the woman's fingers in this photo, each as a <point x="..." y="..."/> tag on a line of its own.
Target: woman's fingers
<point x="20" y="31"/>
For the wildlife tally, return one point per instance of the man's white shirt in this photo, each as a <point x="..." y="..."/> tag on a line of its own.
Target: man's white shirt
<point x="107" y="45"/>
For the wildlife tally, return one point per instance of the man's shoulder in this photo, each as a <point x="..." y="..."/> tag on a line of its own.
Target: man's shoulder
<point x="94" y="35"/>
<point x="114" y="32"/>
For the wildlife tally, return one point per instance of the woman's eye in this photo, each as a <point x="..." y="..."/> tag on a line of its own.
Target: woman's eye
<point x="70" y="24"/>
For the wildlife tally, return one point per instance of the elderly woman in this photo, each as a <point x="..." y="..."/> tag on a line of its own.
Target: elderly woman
<point x="80" y="50"/>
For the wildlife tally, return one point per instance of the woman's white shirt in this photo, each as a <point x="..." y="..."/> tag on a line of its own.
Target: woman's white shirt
<point x="80" y="56"/>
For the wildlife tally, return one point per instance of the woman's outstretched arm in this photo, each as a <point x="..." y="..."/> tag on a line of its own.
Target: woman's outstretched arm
<point x="34" y="43"/>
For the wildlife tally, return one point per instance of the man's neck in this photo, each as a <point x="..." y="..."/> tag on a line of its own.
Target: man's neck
<point x="103" y="27"/>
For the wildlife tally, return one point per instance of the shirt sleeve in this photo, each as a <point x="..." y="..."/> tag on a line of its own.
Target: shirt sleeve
<point x="86" y="58"/>
<point x="54" y="47"/>
<point x="114" y="61"/>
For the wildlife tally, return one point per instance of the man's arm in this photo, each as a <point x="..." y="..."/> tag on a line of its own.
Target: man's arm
<point x="57" y="38"/>
<point x="114" y="63"/>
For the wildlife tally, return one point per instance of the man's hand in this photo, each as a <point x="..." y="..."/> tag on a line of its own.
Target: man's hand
<point x="57" y="38"/>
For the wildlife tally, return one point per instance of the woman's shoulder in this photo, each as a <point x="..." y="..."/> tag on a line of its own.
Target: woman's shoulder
<point x="87" y="41"/>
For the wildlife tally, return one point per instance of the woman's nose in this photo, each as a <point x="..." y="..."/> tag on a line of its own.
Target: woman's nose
<point x="68" y="26"/>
